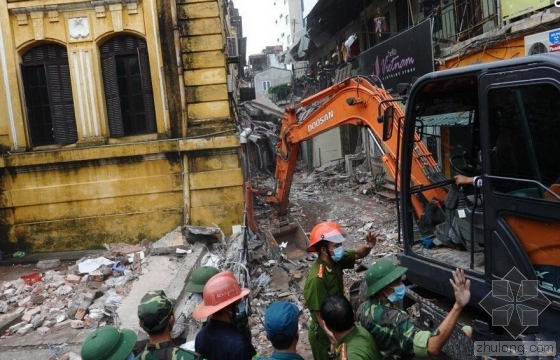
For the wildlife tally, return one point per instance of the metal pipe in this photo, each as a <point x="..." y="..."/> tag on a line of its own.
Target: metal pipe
<point x="180" y="70"/>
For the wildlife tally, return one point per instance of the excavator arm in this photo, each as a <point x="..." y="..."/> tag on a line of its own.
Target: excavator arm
<point x="355" y="101"/>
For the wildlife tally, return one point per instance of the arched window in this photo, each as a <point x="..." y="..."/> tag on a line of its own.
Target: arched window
<point x="48" y="96"/>
<point x="128" y="86"/>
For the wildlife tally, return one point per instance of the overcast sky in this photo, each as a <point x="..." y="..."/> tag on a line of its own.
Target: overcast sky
<point x="257" y="16"/>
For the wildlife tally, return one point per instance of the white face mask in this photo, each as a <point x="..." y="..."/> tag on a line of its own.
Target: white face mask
<point x="196" y="298"/>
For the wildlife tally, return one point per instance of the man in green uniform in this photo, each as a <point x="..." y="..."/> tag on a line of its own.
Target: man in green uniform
<point x="394" y="333"/>
<point x="325" y="278"/>
<point x="353" y="341"/>
<point x="156" y="318"/>
<point x="109" y="343"/>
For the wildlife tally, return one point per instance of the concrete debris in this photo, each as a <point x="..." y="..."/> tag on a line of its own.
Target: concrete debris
<point x="169" y="243"/>
<point x="90" y="265"/>
<point x="86" y="294"/>
<point x="48" y="264"/>
<point x="202" y="234"/>
<point x="202" y="230"/>
<point x="120" y="249"/>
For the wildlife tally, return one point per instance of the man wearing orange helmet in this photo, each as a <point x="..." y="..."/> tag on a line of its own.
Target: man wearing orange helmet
<point x="325" y="278"/>
<point x="220" y="339"/>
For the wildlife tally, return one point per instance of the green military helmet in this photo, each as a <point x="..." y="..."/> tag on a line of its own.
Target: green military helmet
<point x="108" y="343"/>
<point x="199" y="278"/>
<point x="381" y="274"/>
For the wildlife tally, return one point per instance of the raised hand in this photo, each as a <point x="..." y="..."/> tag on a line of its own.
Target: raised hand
<point x="461" y="287"/>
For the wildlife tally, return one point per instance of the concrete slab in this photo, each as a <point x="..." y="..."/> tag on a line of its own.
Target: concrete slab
<point x="7" y="320"/>
<point x="167" y="273"/>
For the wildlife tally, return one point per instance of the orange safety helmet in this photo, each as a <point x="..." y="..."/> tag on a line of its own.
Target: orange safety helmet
<point x="220" y="291"/>
<point x="328" y="231"/>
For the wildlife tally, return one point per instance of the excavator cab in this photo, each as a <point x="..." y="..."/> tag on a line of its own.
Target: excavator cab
<point x="499" y="124"/>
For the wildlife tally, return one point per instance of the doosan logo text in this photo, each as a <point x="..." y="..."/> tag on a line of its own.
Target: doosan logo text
<point x="326" y="117"/>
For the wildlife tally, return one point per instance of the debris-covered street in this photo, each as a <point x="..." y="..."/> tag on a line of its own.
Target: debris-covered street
<point x="49" y="307"/>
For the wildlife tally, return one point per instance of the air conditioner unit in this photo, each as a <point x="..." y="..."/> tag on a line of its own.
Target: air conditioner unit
<point x="544" y="42"/>
<point x="232" y="47"/>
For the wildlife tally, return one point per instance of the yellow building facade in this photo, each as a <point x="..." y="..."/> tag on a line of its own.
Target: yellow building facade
<point x="115" y="122"/>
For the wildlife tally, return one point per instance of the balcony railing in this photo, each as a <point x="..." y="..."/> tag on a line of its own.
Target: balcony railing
<point x="463" y="19"/>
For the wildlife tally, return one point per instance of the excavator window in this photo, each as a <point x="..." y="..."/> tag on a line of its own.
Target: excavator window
<point x="447" y="121"/>
<point x="525" y="144"/>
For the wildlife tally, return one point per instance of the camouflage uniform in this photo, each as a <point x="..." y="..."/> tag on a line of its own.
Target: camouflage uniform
<point x="324" y="280"/>
<point x="154" y="312"/>
<point x="357" y="345"/>
<point x="394" y="333"/>
<point x="166" y="351"/>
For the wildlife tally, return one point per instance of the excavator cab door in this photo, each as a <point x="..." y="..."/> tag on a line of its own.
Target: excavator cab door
<point x="520" y="128"/>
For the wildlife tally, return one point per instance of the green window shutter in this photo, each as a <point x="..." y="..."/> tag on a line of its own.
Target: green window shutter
<point x="112" y="99"/>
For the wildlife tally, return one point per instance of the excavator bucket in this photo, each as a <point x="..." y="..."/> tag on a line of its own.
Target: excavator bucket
<point x="289" y="240"/>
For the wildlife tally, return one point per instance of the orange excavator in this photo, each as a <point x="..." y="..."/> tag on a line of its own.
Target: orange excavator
<point x="355" y="101"/>
<point x="498" y="125"/>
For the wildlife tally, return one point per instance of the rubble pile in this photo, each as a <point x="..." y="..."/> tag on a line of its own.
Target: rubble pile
<point x="357" y="201"/>
<point x="83" y="295"/>
<point x="87" y="294"/>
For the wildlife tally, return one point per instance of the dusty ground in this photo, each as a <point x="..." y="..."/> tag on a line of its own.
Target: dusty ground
<point x="333" y="196"/>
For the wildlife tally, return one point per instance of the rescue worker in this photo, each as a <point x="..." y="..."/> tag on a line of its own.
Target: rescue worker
<point x="281" y="325"/>
<point x="310" y="79"/>
<point x="220" y="339"/>
<point x="198" y="279"/>
<point x="155" y="313"/>
<point x="353" y="341"/>
<point x="195" y="285"/>
<point x="109" y="343"/>
<point x="394" y="333"/>
<point x="325" y="278"/>
<point x="329" y="72"/>
<point x="321" y="76"/>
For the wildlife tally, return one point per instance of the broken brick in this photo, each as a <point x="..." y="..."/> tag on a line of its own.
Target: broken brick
<point x="62" y="325"/>
<point x="71" y="278"/>
<point x="29" y="314"/>
<point x="24" y="330"/>
<point x="76" y="324"/>
<point x="80" y="314"/>
<point x="37" y="299"/>
<point x="43" y="330"/>
<point x="24" y="301"/>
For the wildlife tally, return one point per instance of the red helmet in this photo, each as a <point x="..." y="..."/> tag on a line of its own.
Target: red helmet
<point x="328" y="231"/>
<point x="220" y="291"/>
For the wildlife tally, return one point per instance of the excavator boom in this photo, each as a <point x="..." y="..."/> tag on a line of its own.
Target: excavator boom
<point x="355" y="101"/>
